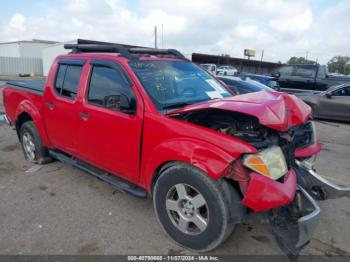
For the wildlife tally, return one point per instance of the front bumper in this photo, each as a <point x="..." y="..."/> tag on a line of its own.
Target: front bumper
<point x="294" y="225"/>
<point x="263" y="193"/>
<point x="318" y="186"/>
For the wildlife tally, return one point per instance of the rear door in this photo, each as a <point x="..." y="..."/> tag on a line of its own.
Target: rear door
<point x="108" y="137"/>
<point x="60" y="108"/>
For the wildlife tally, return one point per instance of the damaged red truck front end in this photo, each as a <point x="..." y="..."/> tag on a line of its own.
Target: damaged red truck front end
<point x="280" y="127"/>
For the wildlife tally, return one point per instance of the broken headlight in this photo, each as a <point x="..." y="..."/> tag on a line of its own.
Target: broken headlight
<point x="269" y="162"/>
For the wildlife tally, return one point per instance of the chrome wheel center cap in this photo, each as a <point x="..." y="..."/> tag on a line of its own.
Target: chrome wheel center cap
<point x="187" y="208"/>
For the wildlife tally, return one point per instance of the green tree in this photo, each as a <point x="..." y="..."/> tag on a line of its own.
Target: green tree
<point x="299" y="60"/>
<point x="339" y="64"/>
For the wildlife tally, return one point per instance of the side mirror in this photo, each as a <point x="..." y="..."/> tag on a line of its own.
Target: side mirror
<point x="328" y="95"/>
<point x="120" y="103"/>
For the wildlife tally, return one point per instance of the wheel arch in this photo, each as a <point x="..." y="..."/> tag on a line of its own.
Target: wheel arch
<point x="27" y="111"/>
<point x="21" y="119"/>
<point x="208" y="158"/>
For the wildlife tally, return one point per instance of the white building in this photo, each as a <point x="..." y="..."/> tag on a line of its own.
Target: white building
<point x="29" y="49"/>
<point x="22" y="57"/>
<point x="49" y="54"/>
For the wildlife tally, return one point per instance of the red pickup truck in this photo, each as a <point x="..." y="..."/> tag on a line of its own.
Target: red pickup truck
<point x="151" y="123"/>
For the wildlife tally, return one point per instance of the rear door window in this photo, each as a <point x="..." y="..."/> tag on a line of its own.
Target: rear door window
<point x="60" y="78"/>
<point x="67" y="80"/>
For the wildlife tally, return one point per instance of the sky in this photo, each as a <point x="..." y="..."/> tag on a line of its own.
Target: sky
<point x="282" y="28"/>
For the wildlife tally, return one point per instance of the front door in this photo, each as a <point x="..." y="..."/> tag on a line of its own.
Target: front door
<point x="337" y="105"/>
<point x="108" y="136"/>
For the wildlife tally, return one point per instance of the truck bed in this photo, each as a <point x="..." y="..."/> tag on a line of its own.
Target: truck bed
<point x="36" y="86"/>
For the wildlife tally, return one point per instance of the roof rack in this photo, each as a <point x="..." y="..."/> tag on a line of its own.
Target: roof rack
<point x="130" y="53"/>
<point x="103" y="48"/>
<point x="157" y="52"/>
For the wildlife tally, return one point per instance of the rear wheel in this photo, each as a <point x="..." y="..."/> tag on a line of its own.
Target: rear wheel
<point x="193" y="209"/>
<point x="32" y="146"/>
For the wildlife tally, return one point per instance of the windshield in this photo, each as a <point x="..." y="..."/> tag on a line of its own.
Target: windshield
<point x="172" y="84"/>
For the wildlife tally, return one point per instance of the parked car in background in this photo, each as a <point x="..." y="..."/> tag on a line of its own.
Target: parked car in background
<point x="240" y="86"/>
<point x="226" y="70"/>
<point x="332" y="104"/>
<point x="210" y="68"/>
<point x="298" y="78"/>
<point x="269" y="81"/>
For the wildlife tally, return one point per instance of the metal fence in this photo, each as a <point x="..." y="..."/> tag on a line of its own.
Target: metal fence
<point x="20" y="65"/>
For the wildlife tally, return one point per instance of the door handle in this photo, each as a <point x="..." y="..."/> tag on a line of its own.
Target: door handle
<point x="51" y="106"/>
<point x="84" y="116"/>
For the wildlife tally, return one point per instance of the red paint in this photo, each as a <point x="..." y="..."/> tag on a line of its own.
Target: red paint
<point x="276" y="110"/>
<point x="135" y="146"/>
<point x="308" y="151"/>
<point x="263" y="193"/>
<point x="239" y="173"/>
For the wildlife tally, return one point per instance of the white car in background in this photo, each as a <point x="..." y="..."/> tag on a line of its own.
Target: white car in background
<point x="209" y="67"/>
<point x="226" y="70"/>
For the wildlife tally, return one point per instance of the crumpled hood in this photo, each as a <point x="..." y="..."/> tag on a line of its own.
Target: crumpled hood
<point x="275" y="110"/>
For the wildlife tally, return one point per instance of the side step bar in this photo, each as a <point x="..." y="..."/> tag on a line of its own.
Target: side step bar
<point x="114" y="181"/>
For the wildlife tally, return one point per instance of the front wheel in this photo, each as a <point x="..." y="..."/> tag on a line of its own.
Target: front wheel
<point x="192" y="208"/>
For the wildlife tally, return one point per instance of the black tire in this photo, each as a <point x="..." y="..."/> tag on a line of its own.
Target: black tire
<point x="219" y="197"/>
<point x="41" y="155"/>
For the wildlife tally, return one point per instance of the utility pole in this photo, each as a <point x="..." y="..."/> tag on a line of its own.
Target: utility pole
<point x="162" y="37"/>
<point x="155" y="37"/>
<point x="261" y="59"/>
<point x="307" y="54"/>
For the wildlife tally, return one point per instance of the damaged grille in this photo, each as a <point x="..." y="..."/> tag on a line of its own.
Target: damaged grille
<point x="302" y="135"/>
